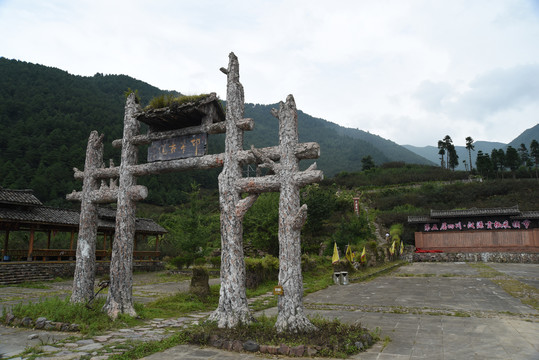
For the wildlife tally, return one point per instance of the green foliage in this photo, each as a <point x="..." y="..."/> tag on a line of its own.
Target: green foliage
<point x="352" y="230"/>
<point x="182" y="303"/>
<point x="260" y="270"/>
<point x="166" y="100"/>
<point x="160" y="101"/>
<point x="46" y="116"/>
<point x="393" y="174"/>
<point x="200" y="261"/>
<point x="90" y="321"/>
<point x="367" y="163"/>
<point x="152" y="346"/>
<point x="261" y="224"/>
<point x="193" y="228"/>
<point x="321" y="202"/>
<point x="137" y="96"/>
<point x="215" y="261"/>
<point x="183" y="261"/>
<point x="396" y="231"/>
<point x="332" y="337"/>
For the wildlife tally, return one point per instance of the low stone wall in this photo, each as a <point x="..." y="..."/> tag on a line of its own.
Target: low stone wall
<point x="18" y="272"/>
<point x="499" y="257"/>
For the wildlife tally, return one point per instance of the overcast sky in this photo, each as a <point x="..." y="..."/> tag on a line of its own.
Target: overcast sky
<point x="410" y="71"/>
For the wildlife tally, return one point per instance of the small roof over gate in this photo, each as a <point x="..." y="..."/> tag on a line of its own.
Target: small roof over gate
<point x="178" y="116"/>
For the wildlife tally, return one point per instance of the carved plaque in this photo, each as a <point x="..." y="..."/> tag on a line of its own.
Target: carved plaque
<point x="178" y="147"/>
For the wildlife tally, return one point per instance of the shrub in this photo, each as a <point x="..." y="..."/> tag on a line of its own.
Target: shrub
<point x="215" y="262"/>
<point x="183" y="261"/>
<point x="261" y="270"/>
<point x="200" y="261"/>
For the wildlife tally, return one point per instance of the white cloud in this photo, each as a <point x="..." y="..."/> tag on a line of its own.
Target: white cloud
<point x="411" y="71"/>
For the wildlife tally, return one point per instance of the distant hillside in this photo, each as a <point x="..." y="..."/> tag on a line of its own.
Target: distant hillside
<point x="46" y="115"/>
<point x="431" y="152"/>
<point x="526" y="137"/>
<point x="341" y="148"/>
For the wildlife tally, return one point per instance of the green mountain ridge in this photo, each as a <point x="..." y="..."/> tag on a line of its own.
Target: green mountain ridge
<point x="47" y="114"/>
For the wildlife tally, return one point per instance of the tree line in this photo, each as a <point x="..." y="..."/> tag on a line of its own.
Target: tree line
<point x="520" y="162"/>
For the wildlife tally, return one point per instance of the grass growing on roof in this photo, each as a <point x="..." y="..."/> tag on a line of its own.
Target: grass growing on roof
<point x="167" y="100"/>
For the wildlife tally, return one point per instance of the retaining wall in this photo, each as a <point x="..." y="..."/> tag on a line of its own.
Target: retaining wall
<point x="18" y="272"/>
<point x="499" y="257"/>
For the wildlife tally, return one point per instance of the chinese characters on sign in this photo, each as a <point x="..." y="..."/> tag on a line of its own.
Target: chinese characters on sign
<point x="178" y="147"/>
<point x="479" y="225"/>
<point x="356" y="206"/>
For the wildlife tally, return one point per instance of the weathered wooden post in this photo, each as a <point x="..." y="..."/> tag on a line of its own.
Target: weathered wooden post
<point x="84" y="278"/>
<point x="167" y="137"/>
<point x="291" y="316"/>
<point x="233" y="308"/>
<point x="120" y="296"/>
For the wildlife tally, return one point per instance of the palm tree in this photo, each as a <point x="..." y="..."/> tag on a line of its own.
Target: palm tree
<point x="470" y="147"/>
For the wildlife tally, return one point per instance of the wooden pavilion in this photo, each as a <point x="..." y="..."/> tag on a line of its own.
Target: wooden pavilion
<point x="21" y="211"/>
<point x="478" y="230"/>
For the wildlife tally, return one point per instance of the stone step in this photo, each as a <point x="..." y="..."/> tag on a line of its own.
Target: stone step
<point x="21" y="279"/>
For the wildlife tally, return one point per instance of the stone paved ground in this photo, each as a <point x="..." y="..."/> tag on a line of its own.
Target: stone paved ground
<point x="423" y="310"/>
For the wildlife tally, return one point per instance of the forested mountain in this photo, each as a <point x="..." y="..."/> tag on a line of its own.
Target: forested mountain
<point x="46" y="115"/>
<point x="526" y="137"/>
<point x="341" y="148"/>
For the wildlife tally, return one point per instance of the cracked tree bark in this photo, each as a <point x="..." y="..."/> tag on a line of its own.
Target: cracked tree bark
<point x="120" y="296"/>
<point x="233" y="308"/>
<point x="291" y="315"/>
<point x="84" y="277"/>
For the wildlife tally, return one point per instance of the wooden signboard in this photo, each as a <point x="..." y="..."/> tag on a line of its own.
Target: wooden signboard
<point x="178" y="147"/>
<point x="278" y="290"/>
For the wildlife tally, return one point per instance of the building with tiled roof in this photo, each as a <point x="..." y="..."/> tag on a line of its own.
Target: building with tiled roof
<point x="21" y="211"/>
<point x="505" y="229"/>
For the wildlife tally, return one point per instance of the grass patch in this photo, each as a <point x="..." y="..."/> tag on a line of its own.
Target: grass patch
<point x="163" y="277"/>
<point x="332" y="338"/>
<point x="414" y="275"/>
<point x="29" y="285"/>
<point x="91" y="321"/>
<point x="370" y="273"/>
<point x="146" y="348"/>
<point x="183" y="303"/>
<point x="485" y="270"/>
<point x="527" y="294"/>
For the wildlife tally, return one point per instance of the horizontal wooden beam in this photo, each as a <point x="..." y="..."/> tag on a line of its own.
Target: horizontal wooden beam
<point x="108" y="195"/>
<point x="216" y="128"/>
<point x="304" y="151"/>
<point x="272" y="183"/>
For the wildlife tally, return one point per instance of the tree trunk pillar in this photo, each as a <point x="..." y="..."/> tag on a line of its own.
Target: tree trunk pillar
<point x="233" y="308"/>
<point x="291" y="316"/>
<point x="84" y="277"/>
<point x="120" y="296"/>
